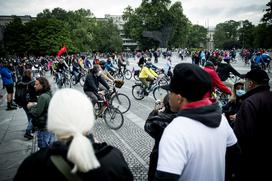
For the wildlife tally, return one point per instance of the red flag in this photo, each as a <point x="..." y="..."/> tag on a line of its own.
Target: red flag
<point x="62" y="50"/>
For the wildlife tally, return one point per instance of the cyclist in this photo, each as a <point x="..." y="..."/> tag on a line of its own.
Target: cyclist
<point x="105" y="74"/>
<point x="76" y="70"/>
<point x="121" y="63"/>
<point x="60" y="68"/>
<point x="91" y="84"/>
<point x="147" y="75"/>
<point x="224" y="69"/>
<point x="216" y="82"/>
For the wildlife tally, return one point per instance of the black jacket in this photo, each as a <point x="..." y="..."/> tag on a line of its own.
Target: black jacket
<point x="39" y="166"/>
<point x="154" y="126"/>
<point x="224" y="70"/>
<point x="252" y="128"/>
<point x="92" y="82"/>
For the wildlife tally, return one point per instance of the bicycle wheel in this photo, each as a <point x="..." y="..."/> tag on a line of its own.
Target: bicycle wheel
<point x="159" y="93"/>
<point x="136" y="77"/>
<point x="73" y="80"/>
<point x="82" y="80"/>
<point x="138" y="92"/>
<point x="121" y="102"/>
<point x="113" y="118"/>
<point x="128" y="74"/>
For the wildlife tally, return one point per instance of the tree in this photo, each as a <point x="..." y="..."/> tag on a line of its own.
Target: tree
<point x="107" y="38"/>
<point x="246" y="34"/>
<point x="198" y="36"/>
<point x="156" y="15"/>
<point x="226" y="35"/>
<point x="267" y="17"/>
<point x="46" y="36"/>
<point x="14" y="37"/>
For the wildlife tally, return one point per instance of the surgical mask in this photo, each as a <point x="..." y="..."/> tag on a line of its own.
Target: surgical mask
<point x="240" y="92"/>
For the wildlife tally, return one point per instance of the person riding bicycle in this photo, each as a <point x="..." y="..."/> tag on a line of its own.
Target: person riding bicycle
<point x="91" y="84"/>
<point x="216" y="82"/>
<point x="121" y="63"/>
<point x="60" y="68"/>
<point x="224" y="69"/>
<point x="109" y="66"/>
<point x="76" y="70"/>
<point x="105" y="74"/>
<point x="147" y="75"/>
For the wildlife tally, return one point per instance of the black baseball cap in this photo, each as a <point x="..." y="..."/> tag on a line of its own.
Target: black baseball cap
<point x="257" y="75"/>
<point x="190" y="81"/>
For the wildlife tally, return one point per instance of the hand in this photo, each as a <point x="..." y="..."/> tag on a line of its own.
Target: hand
<point x="232" y="117"/>
<point x="31" y="104"/>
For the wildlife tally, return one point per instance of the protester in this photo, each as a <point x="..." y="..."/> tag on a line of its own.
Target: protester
<point x="28" y="80"/>
<point x="216" y="81"/>
<point x="74" y="156"/>
<point x="157" y="120"/>
<point x="252" y="127"/>
<point x="233" y="106"/>
<point x="91" y="84"/>
<point x="8" y="83"/>
<point x="38" y="112"/>
<point x="193" y="145"/>
<point x="224" y="69"/>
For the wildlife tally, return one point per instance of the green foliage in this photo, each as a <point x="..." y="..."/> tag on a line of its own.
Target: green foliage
<point x="267" y="17"/>
<point x="154" y="16"/>
<point x="226" y="35"/>
<point x="14" y="39"/>
<point x="198" y="35"/>
<point x="78" y="30"/>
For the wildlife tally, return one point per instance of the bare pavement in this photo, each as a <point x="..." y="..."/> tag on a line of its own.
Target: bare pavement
<point x="131" y="138"/>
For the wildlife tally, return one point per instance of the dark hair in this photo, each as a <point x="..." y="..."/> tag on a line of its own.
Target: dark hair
<point x="27" y="73"/>
<point x="166" y="104"/>
<point x="45" y="84"/>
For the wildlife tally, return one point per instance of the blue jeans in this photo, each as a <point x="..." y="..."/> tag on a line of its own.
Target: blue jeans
<point x="45" y="138"/>
<point x="29" y="126"/>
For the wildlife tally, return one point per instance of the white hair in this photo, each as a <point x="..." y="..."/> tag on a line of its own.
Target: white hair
<point x="70" y="114"/>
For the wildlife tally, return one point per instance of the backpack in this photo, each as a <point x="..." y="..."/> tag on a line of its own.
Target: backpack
<point x="22" y="93"/>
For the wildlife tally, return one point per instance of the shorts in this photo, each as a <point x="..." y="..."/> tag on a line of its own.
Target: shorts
<point x="9" y="88"/>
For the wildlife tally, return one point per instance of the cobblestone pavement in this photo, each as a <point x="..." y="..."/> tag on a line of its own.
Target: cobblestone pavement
<point x="131" y="138"/>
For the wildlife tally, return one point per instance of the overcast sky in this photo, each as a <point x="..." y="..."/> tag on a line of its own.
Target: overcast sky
<point x="203" y="12"/>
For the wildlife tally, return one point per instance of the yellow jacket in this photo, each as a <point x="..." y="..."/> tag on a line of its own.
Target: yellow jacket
<point x="145" y="72"/>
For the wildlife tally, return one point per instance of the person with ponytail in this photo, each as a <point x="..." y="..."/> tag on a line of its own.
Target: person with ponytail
<point x="73" y="156"/>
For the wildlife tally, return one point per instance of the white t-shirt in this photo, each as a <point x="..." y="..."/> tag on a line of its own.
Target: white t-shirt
<point x="195" y="151"/>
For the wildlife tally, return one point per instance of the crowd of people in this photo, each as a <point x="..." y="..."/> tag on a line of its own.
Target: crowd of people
<point x="195" y="137"/>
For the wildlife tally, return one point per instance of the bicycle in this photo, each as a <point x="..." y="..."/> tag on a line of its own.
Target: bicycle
<point x="138" y="91"/>
<point x="112" y="116"/>
<point x="119" y="100"/>
<point x="125" y="73"/>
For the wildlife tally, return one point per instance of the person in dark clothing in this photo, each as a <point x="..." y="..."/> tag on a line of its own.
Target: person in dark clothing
<point x="252" y="127"/>
<point x="71" y="118"/>
<point x="91" y="84"/>
<point x="224" y="69"/>
<point x="157" y="120"/>
<point x="28" y="80"/>
<point x="233" y="106"/>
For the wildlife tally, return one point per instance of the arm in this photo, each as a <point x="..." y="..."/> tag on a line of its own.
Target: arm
<point x="103" y="82"/>
<point x="37" y="109"/>
<point x="219" y="84"/>
<point x="232" y="70"/>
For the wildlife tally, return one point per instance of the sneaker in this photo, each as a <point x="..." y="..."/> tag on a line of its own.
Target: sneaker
<point x="28" y="136"/>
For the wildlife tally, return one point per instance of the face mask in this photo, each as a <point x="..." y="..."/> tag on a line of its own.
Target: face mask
<point x="240" y="92"/>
